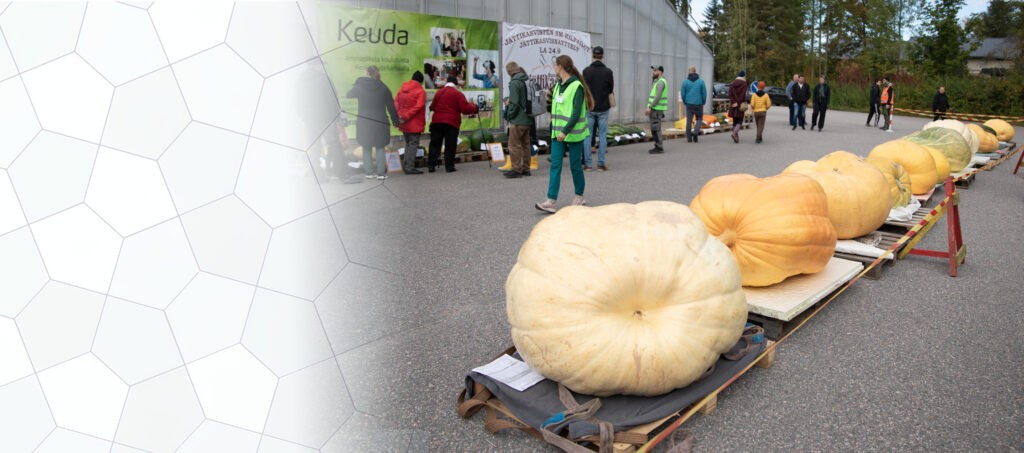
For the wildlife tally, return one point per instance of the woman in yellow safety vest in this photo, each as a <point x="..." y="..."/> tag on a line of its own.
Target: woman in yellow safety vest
<point x="570" y="100"/>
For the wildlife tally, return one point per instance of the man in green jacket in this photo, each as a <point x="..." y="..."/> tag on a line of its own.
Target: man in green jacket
<point x="657" y="103"/>
<point x="518" y="116"/>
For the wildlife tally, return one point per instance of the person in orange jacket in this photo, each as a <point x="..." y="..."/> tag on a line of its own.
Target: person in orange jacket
<point x="411" y="102"/>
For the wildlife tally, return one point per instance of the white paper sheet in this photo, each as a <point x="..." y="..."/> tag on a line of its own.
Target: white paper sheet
<point x="511" y="372"/>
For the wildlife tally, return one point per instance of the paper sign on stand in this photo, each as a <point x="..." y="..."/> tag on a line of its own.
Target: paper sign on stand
<point x="394" y="164"/>
<point x="497" y="153"/>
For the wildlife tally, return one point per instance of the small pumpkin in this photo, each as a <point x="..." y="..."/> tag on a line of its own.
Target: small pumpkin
<point x="959" y="127"/>
<point x="918" y="162"/>
<point x="1004" y="131"/>
<point x="641" y="306"/>
<point x="858" y="194"/>
<point x="986" y="142"/>
<point x="776" y="227"/>
<point x="896" y="176"/>
<point x="952" y="145"/>
<point x="941" y="163"/>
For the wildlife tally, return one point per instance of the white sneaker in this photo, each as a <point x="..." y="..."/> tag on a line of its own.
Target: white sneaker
<point x="578" y="200"/>
<point x="382" y="177"/>
<point x="370" y="176"/>
<point x="547" y="206"/>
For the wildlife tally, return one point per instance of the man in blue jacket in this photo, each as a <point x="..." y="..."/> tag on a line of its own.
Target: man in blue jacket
<point x="695" y="95"/>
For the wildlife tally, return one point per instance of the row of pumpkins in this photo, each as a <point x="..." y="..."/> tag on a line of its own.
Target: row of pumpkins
<point x="642" y="299"/>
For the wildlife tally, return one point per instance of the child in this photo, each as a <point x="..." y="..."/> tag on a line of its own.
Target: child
<point x="760" y="103"/>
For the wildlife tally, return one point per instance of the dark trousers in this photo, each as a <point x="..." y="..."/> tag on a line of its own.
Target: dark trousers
<point x="759" y="118"/>
<point x="656" y="117"/>
<point x="449" y="136"/>
<point x="939" y="116"/>
<point x="875" y="110"/>
<point x="694" y="119"/>
<point x="792" y="114"/>
<point x="818" y="117"/>
<point x="519" y="147"/>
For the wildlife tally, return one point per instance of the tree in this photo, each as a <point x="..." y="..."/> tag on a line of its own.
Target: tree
<point x="682" y="7"/>
<point x="939" y="48"/>
<point x="713" y="15"/>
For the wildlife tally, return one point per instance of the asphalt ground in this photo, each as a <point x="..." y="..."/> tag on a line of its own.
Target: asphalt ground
<point x="915" y="361"/>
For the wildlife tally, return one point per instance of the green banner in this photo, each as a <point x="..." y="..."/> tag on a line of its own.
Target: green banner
<point x="400" y="43"/>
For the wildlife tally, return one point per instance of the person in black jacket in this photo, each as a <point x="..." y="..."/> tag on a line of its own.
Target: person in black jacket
<point x="801" y="94"/>
<point x="372" y="128"/>
<point x="875" y="100"/>
<point x="940" y="104"/>
<point x="601" y="81"/>
<point x="822" y="94"/>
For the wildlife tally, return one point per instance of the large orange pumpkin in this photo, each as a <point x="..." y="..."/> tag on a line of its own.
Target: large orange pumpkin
<point x="1004" y="130"/>
<point x="776" y="227"/>
<point x="918" y="162"/>
<point x="858" y="194"/>
<point x="941" y="162"/>
<point x="896" y="176"/>
<point x="986" y="141"/>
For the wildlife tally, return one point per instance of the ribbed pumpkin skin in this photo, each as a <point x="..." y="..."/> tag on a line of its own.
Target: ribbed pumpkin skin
<point x="1004" y="131"/>
<point x="915" y="159"/>
<point x="960" y="128"/>
<point x="776" y="227"/>
<point x="950" y="143"/>
<point x="633" y="299"/>
<point x="857" y="192"/>
<point x="896" y="177"/>
<point x="986" y="141"/>
<point x="941" y="163"/>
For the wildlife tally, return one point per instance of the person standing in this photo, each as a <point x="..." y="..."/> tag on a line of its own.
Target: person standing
<point x="737" y="103"/>
<point x="657" y="103"/>
<point x="449" y="105"/>
<point x="822" y="96"/>
<point x="789" y="95"/>
<point x="875" y="100"/>
<point x="601" y="81"/>
<point x="886" y="103"/>
<point x="373" y="132"/>
<point x="801" y="94"/>
<point x="940" y="104"/>
<point x="411" y="102"/>
<point x="695" y="95"/>
<point x="519" y="120"/>
<point x="760" y="102"/>
<point x="570" y="100"/>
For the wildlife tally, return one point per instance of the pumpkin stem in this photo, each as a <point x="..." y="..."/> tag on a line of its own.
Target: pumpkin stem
<point x="728" y="237"/>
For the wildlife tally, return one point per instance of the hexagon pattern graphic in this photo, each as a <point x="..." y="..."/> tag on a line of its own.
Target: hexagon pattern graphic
<point x="162" y="233"/>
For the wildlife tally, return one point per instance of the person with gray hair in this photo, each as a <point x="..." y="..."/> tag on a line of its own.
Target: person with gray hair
<point x="373" y="132"/>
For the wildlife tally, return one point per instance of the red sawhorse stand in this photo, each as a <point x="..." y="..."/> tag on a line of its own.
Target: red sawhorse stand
<point x="950" y="205"/>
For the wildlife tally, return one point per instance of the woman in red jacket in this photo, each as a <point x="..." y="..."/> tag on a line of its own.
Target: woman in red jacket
<point x="411" y="102"/>
<point x="449" y="105"/>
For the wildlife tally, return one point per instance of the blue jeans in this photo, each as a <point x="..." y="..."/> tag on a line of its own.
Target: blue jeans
<point x="799" y="117"/>
<point x="558" y="150"/>
<point x="694" y="118"/>
<point x="602" y="136"/>
<point x="792" y="113"/>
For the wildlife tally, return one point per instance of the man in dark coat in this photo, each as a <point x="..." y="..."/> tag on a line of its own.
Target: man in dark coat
<point x="822" y="95"/>
<point x="875" y="103"/>
<point x="801" y="94"/>
<point x="372" y="128"/>
<point x="940" y="104"/>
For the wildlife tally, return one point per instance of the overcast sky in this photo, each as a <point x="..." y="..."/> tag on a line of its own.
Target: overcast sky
<point x="970" y="7"/>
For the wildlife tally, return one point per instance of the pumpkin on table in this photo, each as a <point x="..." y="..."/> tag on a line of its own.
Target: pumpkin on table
<point x="896" y="176"/>
<point x="631" y="299"/>
<point x="960" y="128"/>
<point x="858" y="194"/>
<point x="947" y="141"/>
<point x="776" y="227"/>
<point x="918" y="162"/>
<point x="986" y="142"/>
<point x="1004" y="131"/>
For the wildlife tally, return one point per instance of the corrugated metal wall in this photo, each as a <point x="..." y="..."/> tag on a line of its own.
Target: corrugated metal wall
<point x="634" y="33"/>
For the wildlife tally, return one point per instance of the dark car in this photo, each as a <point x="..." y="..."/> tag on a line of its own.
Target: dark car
<point x="777" y="95"/>
<point x="721" y="90"/>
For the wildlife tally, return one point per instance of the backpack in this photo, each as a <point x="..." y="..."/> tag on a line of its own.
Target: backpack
<point x="536" y="101"/>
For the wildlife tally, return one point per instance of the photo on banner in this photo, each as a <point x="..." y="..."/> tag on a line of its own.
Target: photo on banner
<point x="400" y="43"/>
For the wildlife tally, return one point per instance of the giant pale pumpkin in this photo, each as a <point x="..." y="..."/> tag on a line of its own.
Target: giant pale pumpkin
<point x="960" y="128"/>
<point x="949" y="142"/>
<point x="776" y="227"/>
<point x="624" y="299"/>
<point x="896" y="176"/>
<point x="941" y="163"/>
<point x="857" y="192"/>
<point x="1004" y="131"/>
<point x="986" y="141"/>
<point x="915" y="159"/>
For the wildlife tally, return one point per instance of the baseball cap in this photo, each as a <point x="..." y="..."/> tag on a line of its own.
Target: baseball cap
<point x="598" y="50"/>
<point x="660" y="68"/>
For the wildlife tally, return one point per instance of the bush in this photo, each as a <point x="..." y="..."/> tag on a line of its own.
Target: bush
<point x="973" y="95"/>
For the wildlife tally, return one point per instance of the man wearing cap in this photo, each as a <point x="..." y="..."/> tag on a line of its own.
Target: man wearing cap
<point x="657" y="103"/>
<point x="601" y="81"/>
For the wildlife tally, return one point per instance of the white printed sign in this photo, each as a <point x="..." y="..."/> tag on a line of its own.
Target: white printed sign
<point x="535" y="49"/>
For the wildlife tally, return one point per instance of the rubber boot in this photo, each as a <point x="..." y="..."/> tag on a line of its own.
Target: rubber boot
<point x="508" y="164"/>
<point x="533" y="163"/>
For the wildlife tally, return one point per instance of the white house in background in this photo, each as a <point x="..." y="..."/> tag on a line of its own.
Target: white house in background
<point x="992" y="57"/>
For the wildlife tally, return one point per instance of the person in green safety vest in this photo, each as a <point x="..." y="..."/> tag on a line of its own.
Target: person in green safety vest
<point x="570" y="100"/>
<point x="657" y="103"/>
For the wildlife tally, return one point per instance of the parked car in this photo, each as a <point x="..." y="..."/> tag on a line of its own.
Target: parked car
<point x="721" y="91"/>
<point x="777" y="95"/>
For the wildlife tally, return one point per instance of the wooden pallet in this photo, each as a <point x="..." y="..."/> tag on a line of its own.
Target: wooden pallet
<point x="888" y="239"/>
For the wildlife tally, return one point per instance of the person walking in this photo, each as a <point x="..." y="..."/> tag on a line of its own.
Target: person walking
<point x="570" y="100"/>
<point x="519" y="120"/>
<point x="449" y="105"/>
<point x="657" y="103"/>
<point x="886" y="99"/>
<point x="737" y="103"/>
<point x="822" y="96"/>
<point x="875" y="101"/>
<point x="695" y="95"/>
<point x="940" y="104"/>
<point x="373" y="132"/>
<point x="789" y="95"/>
<point x="411" y="102"/>
<point x="760" y="102"/>
<point x="601" y="81"/>
<point x="801" y="94"/>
